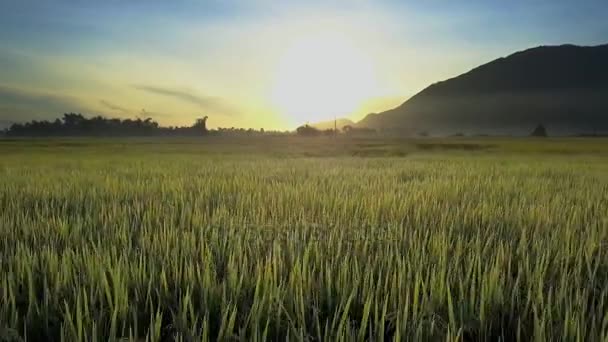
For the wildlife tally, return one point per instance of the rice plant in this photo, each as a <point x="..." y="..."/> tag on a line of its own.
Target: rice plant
<point x="145" y="245"/>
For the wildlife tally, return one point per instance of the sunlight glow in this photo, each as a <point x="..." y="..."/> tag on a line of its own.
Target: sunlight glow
<point x="321" y="76"/>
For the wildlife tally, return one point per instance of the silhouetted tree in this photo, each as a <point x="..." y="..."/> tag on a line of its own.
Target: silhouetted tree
<point x="201" y="124"/>
<point x="73" y="124"/>
<point x="73" y="119"/>
<point x="307" y="130"/>
<point x="539" y="131"/>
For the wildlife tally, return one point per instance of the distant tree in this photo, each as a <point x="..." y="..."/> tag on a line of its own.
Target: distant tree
<point x="73" y="119"/>
<point x="539" y="131"/>
<point x="201" y="124"/>
<point x="307" y="130"/>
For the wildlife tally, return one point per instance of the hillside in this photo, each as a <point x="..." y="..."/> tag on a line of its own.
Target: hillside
<point x="563" y="87"/>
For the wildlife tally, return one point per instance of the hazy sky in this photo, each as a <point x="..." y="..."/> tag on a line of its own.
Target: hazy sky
<point x="271" y="64"/>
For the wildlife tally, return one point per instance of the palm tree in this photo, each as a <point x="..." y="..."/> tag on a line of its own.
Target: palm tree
<point x="201" y="124"/>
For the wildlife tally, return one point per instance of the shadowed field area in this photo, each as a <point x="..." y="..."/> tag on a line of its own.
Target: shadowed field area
<point x="294" y="146"/>
<point x="307" y="238"/>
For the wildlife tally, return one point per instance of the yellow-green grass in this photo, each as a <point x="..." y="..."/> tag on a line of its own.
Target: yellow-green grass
<point x="310" y="239"/>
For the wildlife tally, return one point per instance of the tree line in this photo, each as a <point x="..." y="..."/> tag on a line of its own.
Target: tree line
<point x="312" y="131"/>
<point x="76" y="124"/>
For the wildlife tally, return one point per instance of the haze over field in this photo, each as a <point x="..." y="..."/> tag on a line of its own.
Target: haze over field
<point x="259" y="63"/>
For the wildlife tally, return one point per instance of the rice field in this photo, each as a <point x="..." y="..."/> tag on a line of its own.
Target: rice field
<point x="304" y="239"/>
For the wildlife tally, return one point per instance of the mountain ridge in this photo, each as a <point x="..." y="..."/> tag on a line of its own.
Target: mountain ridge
<point x="564" y="87"/>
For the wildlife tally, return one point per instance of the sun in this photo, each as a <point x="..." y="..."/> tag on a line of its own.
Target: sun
<point x="322" y="76"/>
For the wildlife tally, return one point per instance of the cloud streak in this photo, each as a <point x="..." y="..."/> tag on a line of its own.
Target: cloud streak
<point x="19" y="104"/>
<point x="211" y="104"/>
<point x="12" y="95"/>
<point x="114" y="107"/>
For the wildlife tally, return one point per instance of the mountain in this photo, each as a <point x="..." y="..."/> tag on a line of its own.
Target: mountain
<point x="565" y="88"/>
<point x="330" y="124"/>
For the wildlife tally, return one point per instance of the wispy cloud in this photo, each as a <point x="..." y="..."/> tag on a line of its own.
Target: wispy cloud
<point x="31" y="97"/>
<point x="124" y="111"/>
<point x="207" y="103"/>
<point x="155" y="115"/>
<point x="18" y="104"/>
<point x="114" y="107"/>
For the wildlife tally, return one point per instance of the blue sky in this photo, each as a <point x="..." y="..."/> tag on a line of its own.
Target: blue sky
<point x="226" y="59"/>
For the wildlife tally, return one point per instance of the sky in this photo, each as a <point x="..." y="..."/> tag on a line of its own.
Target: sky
<point x="259" y="63"/>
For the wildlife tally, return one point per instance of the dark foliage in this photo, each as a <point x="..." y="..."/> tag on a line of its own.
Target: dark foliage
<point x="539" y="131"/>
<point x="308" y="131"/>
